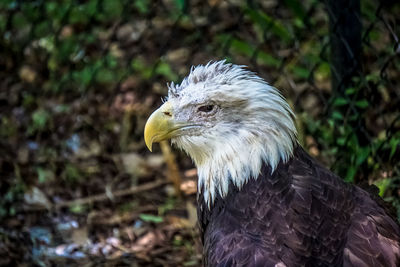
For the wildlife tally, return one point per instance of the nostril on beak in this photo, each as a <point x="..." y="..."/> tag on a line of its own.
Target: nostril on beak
<point x="167" y="113"/>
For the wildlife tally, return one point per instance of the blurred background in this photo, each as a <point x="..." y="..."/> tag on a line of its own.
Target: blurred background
<point x="78" y="80"/>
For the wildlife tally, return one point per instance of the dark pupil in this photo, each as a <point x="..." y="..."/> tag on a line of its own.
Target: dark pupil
<point x="207" y="108"/>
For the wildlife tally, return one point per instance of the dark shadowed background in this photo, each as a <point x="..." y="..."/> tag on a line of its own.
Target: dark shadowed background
<point x="78" y="80"/>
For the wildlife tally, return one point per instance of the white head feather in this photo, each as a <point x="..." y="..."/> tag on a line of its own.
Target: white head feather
<point x="252" y="124"/>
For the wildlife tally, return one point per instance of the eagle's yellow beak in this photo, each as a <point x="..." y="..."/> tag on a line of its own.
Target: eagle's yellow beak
<point x="160" y="125"/>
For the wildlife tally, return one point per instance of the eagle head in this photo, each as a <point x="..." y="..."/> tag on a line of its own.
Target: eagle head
<point x="229" y="121"/>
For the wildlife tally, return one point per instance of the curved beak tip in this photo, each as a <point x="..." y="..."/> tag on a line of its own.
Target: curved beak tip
<point x="149" y="145"/>
<point x="148" y="137"/>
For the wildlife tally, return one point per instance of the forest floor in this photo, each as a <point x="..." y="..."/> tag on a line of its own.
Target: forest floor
<point x="142" y="225"/>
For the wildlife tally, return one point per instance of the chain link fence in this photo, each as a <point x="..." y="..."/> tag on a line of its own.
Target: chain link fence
<point x="83" y="76"/>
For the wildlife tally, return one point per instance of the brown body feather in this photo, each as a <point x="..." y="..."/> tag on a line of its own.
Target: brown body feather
<point x="300" y="215"/>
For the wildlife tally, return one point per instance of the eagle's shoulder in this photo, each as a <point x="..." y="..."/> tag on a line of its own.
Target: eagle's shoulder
<point x="373" y="237"/>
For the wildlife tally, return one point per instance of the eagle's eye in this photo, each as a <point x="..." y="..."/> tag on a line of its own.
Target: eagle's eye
<point x="206" y="108"/>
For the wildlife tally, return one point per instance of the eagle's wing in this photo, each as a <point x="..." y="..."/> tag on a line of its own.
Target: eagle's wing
<point x="373" y="238"/>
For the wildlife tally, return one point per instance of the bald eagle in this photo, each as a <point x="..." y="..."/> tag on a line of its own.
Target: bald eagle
<point x="262" y="200"/>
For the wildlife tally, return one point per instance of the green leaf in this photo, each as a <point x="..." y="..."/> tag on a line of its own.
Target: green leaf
<point x="105" y="75"/>
<point x="164" y="69"/>
<point x="341" y="141"/>
<point x="224" y="39"/>
<point x="42" y="29"/>
<point x="77" y="15"/>
<point x="72" y="173"/>
<point x="368" y="9"/>
<point x="40" y="118"/>
<point x="3" y="25"/>
<point x="151" y="218"/>
<point x="78" y="209"/>
<point x="140" y="66"/>
<point x="300" y="72"/>
<point x="351" y="172"/>
<point x="323" y="70"/>
<point x="91" y="7"/>
<point x="268" y="23"/>
<point x="112" y="61"/>
<point x="168" y="205"/>
<point x="394" y="142"/>
<point x="19" y="21"/>
<point x="242" y="47"/>
<point x="113" y="9"/>
<point x="353" y="117"/>
<point x="84" y="77"/>
<point x="47" y="43"/>
<point x="340" y="101"/>
<point x="350" y="91"/>
<point x="297" y="8"/>
<point x="362" y="154"/>
<point x="177" y="241"/>
<point x="268" y="60"/>
<point x="298" y="23"/>
<point x="43" y="175"/>
<point x="373" y="77"/>
<point x="362" y="103"/>
<point x="337" y="115"/>
<point x="142" y="6"/>
<point x="383" y="185"/>
<point x="180" y="4"/>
